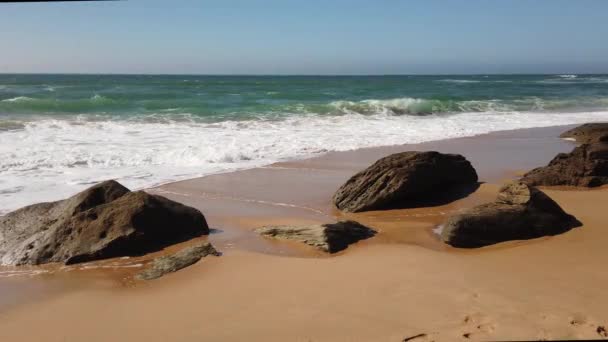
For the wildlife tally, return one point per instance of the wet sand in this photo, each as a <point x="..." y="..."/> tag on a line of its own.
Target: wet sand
<point x="401" y="283"/>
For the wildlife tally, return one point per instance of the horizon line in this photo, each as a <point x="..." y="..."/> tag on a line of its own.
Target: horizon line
<point x="299" y="75"/>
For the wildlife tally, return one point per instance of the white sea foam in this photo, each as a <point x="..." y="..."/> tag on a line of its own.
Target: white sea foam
<point x="385" y="107"/>
<point x="418" y="106"/>
<point x="574" y="79"/>
<point x="18" y="99"/>
<point x="459" y="81"/>
<point x="51" y="159"/>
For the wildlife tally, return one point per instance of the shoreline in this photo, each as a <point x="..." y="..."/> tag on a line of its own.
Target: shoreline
<point x="385" y="288"/>
<point x="261" y="199"/>
<point x="257" y="208"/>
<point x="44" y="192"/>
<point x="397" y="147"/>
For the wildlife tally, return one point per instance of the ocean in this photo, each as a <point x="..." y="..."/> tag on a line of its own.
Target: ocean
<point x="61" y="133"/>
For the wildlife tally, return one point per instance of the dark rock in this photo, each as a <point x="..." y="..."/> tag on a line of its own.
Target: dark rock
<point x="104" y="221"/>
<point x="330" y="237"/>
<point x="519" y="212"/>
<point x="588" y="133"/>
<point x="404" y="177"/>
<point x="585" y="166"/>
<point x="175" y="262"/>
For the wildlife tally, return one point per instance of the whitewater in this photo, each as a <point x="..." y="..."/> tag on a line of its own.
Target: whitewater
<point x="51" y="150"/>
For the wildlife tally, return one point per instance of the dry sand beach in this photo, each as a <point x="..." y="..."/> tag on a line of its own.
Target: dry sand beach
<point x="404" y="282"/>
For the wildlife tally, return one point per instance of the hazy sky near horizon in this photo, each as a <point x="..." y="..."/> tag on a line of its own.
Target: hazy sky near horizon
<point x="306" y="37"/>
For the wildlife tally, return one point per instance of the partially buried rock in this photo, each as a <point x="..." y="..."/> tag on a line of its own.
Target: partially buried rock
<point x="588" y="133"/>
<point x="330" y="237"/>
<point x="519" y="212"/>
<point x="404" y="177"/>
<point x="585" y="166"/>
<point x="175" y="262"/>
<point x="104" y="221"/>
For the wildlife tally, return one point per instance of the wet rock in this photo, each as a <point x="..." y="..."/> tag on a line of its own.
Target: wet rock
<point x="585" y="166"/>
<point x="404" y="178"/>
<point x="519" y="212"/>
<point x="104" y="221"/>
<point x="588" y="133"/>
<point x="330" y="237"/>
<point x="175" y="262"/>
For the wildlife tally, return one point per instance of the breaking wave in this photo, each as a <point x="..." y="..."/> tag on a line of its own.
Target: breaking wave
<point x="47" y="159"/>
<point x="416" y="106"/>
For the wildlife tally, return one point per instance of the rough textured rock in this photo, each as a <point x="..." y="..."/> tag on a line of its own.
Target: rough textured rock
<point x="175" y="262"/>
<point x="588" y="133"/>
<point x="519" y="212"/>
<point x="104" y="221"/>
<point x="585" y="166"/>
<point x="331" y="237"/>
<point x="404" y="177"/>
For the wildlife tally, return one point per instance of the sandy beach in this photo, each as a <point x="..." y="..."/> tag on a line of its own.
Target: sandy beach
<point x="402" y="283"/>
<point x="330" y="171"/>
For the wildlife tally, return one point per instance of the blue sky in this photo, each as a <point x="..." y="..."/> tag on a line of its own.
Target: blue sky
<point x="306" y="37"/>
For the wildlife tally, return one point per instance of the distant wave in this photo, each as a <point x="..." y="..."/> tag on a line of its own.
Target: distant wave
<point x="19" y="99"/>
<point x="574" y="79"/>
<point x="99" y="98"/>
<point x="174" y="110"/>
<point x="485" y="80"/>
<point x="458" y="81"/>
<point x="42" y="105"/>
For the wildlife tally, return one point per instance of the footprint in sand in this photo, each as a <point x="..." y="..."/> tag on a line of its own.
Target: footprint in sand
<point x="578" y="320"/>
<point x="584" y="325"/>
<point x="475" y="324"/>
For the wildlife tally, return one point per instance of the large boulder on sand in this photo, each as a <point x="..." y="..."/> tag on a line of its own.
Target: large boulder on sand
<point x="585" y="166"/>
<point x="175" y="262"/>
<point x="519" y="212"/>
<point x="588" y="133"/>
<point x="106" y="220"/>
<point x="404" y="177"/>
<point x="330" y="237"/>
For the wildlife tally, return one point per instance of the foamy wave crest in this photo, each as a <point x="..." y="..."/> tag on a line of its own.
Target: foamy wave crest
<point x="95" y="103"/>
<point x="99" y="98"/>
<point x="573" y="79"/>
<point x="19" y="99"/>
<point x="416" y="106"/>
<point x="458" y="81"/>
<point x="52" y="159"/>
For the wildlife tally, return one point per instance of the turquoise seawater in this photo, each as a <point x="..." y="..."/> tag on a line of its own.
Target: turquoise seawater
<point x="217" y="98"/>
<point x="61" y="133"/>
